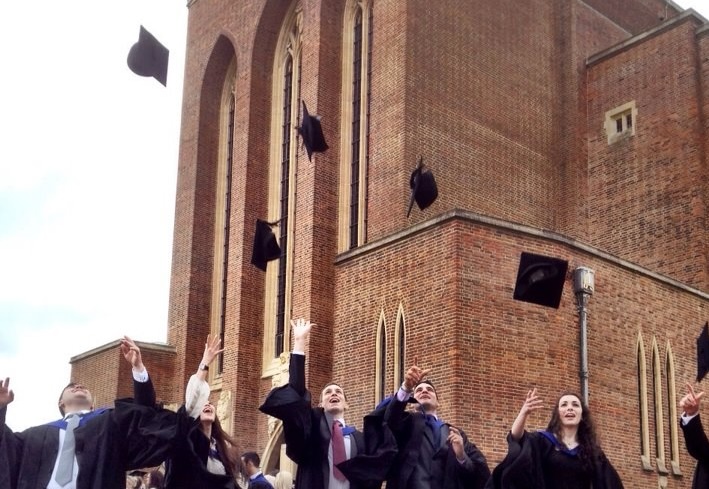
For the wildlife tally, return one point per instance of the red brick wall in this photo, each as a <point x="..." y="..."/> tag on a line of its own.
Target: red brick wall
<point x="498" y="98"/>
<point x="646" y="192"/>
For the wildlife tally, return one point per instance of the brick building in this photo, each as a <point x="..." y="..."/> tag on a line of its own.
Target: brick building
<point x="574" y="129"/>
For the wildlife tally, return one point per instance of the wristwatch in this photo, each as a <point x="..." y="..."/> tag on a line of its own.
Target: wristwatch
<point x="203" y="366"/>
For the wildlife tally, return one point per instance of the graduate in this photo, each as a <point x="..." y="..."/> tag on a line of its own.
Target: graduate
<point x="566" y="455"/>
<point x="329" y="453"/>
<point x="86" y="448"/>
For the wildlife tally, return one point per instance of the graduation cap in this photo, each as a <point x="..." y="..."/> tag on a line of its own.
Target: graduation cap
<point x="540" y="279"/>
<point x="423" y="187"/>
<point x="703" y="352"/>
<point x="148" y="57"/>
<point x="311" y="132"/>
<point x="265" y="245"/>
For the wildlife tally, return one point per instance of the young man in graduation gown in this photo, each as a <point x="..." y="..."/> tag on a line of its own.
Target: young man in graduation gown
<point x="93" y="455"/>
<point x="694" y="436"/>
<point x="329" y="454"/>
<point x="432" y="454"/>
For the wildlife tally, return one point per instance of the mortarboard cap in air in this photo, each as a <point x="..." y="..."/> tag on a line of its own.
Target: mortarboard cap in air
<point x="311" y="131"/>
<point x="148" y="57"/>
<point x="423" y="187"/>
<point x="703" y="352"/>
<point x="265" y="245"/>
<point x="540" y="279"/>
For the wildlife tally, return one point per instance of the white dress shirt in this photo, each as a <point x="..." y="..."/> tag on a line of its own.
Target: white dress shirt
<point x="138" y="377"/>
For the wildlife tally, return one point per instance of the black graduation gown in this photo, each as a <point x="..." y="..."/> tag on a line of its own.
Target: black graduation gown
<point x="698" y="447"/>
<point x="523" y="467"/>
<point x="307" y="436"/>
<point x="415" y="444"/>
<point x="186" y="467"/>
<point x="105" y="446"/>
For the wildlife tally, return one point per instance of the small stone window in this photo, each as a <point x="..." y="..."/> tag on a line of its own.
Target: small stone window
<point x="620" y="122"/>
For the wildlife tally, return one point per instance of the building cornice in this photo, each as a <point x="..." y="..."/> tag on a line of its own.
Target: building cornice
<point x="512" y="228"/>
<point x="686" y="16"/>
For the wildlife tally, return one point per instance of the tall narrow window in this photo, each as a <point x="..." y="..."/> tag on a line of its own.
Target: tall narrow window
<point x="672" y="409"/>
<point x="222" y="213"/>
<point x="399" y="347"/>
<point x="642" y="404"/>
<point x="357" y="68"/>
<point x="657" y="398"/>
<point x="282" y="171"/>
<point x="381" y="360"/>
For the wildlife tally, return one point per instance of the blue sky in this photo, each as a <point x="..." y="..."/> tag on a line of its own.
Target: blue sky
<point x="88" y="161"/>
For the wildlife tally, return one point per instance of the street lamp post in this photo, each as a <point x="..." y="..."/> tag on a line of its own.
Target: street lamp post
<point x="583" y="290"/>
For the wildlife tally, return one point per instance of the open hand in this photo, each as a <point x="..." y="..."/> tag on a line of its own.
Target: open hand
<point x="6" y="395"/>
<point x="414" y="376"/>
<point x="531" y="403"/>
<point x="211" y="349"/>
<point x="690" y="402"/>
<point x="455" y="440"/>
<point x="131" y="352"/>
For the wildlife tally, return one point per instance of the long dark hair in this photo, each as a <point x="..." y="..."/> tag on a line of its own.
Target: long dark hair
<point x="228" y="448"/>
<point x="589" y="448"/>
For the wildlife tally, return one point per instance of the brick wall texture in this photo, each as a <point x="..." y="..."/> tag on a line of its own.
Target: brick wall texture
<point x="506" y="101"/>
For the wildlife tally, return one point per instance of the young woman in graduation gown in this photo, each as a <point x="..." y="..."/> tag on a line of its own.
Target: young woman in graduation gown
<point x="564" y="456"/>
<point x="203" y="456"/>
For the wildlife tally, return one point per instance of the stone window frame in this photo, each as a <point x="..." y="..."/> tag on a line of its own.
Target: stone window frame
<point x="621" y="122"/>
<point x="289" y="46"/>
<point x="222" y="212"/>
<point x="354" y="9"/>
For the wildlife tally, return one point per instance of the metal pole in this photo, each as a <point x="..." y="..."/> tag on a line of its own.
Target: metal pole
<point x="582" y="300"/>
<point x="583" y="290"/>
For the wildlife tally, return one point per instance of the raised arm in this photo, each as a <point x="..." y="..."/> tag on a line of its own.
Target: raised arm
<point x="197" y="391"/>
<point x="143" y="390"/>
<point x="694" y="436"/>
<point x="301" y="333"/>
<point x="395" y="410"/>
<point x="531" y="403"/>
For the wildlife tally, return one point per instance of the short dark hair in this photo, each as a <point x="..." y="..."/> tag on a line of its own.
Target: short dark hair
<point x="70" y="384"/>
<point x="338" y="385"/>
<point x="252" y="457"/>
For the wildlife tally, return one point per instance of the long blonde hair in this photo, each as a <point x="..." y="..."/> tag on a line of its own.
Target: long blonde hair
<point x="284" y="480"/>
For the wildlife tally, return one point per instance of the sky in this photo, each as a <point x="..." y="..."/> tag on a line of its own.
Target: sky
<point x="88" y="167"/>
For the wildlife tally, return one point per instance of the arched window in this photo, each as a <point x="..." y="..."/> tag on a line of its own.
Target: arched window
<point x="399" y="347"/>
<point x="642" y="404"/>
<point x="381" y="360"/>
<point x="672" y="409"/>
<point x="282" y="170"/>
<point x="222" y="214"/>
<point x="356" y="74"/>
<point x="657" y="401"/>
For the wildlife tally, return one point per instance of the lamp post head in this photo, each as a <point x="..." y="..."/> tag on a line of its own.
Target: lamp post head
<point x="583" y="281"/>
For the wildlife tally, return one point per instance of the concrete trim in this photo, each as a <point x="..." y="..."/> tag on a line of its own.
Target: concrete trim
<point x="685" y="16"/>
<point x="514" y="228"/>
<point x="158" y="347"/>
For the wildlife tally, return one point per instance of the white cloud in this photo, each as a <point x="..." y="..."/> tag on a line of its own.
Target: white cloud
<point x="88" y="162"/>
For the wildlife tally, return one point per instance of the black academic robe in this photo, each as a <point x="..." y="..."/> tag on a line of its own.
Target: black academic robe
<point x="523" y="466"/>
<point x="306" y="431"/>
<point x="421" y="463"/>
<point x="698" y="447"/>
<point x="105" y="446"/>
<point x="186" y="467"/>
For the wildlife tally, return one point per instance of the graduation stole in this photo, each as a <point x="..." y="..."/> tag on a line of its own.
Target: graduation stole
<point x="60" y="423"/>
<point x="348" y="430"/>
<point x="573" y="452"/>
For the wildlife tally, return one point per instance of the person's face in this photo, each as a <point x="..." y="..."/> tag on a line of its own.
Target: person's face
<point x="425" y="394"/>
<point x="570" y="410"/>
<point x="208" y="413"/>
<point x="332" y="399"/>
<point x="76" y="397"/>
